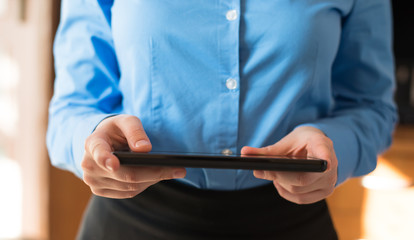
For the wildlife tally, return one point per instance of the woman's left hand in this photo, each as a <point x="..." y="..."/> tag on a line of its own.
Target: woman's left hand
<point x="301" y="187"/>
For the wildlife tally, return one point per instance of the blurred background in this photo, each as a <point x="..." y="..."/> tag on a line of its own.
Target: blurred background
<point x="40" y="202"/>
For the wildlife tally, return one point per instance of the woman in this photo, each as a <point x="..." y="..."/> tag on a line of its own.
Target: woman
<point x="307" y="78"/>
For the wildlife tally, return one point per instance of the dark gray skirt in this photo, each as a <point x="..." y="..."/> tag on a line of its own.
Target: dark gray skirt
<point x="171" y="210"/>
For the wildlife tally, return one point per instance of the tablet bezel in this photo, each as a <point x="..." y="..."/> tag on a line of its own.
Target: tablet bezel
<point x="221" y="161"/>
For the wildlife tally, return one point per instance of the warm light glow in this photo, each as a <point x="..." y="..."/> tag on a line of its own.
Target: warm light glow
<point x="9" y="75"/>
<point x="11" y="199"/>
<point x="388" y="207"/>
<point x="386" y="177"/>
<point x="3" y="7"/>
<point x="10" y="172"/>
<point x="385" y="183"/>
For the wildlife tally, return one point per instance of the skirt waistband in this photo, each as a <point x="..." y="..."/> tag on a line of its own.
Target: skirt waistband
<point x="172" y="210"/>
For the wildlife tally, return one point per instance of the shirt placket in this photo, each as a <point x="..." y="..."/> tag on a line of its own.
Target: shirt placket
<point x="229" y="77"/>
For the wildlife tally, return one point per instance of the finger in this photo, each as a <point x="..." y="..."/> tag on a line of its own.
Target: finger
<point x="134" y="132"/>
<point x="306" y="198"/>
<point x="317" y="185"/>
<point x="294" y="178"/>
<point x="110" y="193"/>
<point x="91" y="167"/>
<point x="99" y="149"/>
<point x="148" y="174"/>
<point x="112" y="184"/>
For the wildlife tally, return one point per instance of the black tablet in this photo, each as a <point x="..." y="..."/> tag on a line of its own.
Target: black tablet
<point x="220" y="161"/>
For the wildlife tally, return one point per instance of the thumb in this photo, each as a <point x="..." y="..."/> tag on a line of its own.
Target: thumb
<point x="246" y="150"/>
<point x="279" y="148"/>
<point x="134" y="132"/>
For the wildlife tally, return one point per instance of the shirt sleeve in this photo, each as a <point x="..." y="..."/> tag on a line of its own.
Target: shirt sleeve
<point x="86" y="85"/>
<point x="364" y="113"/>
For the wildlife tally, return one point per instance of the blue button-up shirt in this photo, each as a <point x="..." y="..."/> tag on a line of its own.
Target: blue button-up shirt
<point x="208" y="76"/>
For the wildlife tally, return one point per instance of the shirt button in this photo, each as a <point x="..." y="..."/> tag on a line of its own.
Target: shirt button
<point x="231" y="83"/>
<point x="231" y="15"/>
<point x="227" y="152"/>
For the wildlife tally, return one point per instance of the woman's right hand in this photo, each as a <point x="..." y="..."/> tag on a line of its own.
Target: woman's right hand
<point x="102" y="171"/>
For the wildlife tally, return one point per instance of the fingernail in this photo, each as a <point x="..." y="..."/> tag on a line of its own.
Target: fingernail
<point x="108" y="165"/>
<point x="259" y="173"/>
<point x="179" y="174"/>
<point x="142" y="143"/>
